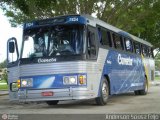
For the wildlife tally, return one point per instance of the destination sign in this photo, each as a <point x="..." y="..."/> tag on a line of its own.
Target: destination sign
<point x="57" y="20"/>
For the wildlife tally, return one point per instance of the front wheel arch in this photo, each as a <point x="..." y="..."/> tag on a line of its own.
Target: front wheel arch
<point x="108" y="80"/>
<point x="102" y="99"/>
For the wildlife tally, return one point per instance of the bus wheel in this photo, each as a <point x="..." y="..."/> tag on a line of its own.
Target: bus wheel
<point x="136" y="92"/>
<point x="55" y="102"/>
<point x="145" y="90"/>
<point x="104" y="93"/>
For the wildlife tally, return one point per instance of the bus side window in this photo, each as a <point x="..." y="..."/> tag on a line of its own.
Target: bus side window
<point x="91" y="46"/>
<point x="150" y="52"/>
<point x="117" y="40"/>
<point x="137" y="48"/>
<point x="104" y="36"/>
<point x="147" y="51"/>
<point x="109" y="38"/>
<point x="128" y="45"/>
<point x="144" y="50"/>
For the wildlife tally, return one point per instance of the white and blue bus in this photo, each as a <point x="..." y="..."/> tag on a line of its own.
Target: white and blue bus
<point x="77" y="57"/>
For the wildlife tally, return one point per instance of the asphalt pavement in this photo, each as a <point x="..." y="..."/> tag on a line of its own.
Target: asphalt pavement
<point x="127" y="103"/>
<point x="3" y="92"/>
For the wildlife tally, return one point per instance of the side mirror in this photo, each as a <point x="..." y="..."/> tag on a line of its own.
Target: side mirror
<point x="11" y="47"/>
<point x="12" y="50"/>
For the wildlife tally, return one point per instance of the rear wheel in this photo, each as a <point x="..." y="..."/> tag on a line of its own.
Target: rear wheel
<point x="136" y="92"/>
<point x="55" y="102"/>
<point x="143" y="91"/>
<point x="104" y="93"/>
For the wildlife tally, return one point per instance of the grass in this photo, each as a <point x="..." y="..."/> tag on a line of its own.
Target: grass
<point x="157" y="78"/>
<point x="4" y="86"/>
<point x="2" y="81"/>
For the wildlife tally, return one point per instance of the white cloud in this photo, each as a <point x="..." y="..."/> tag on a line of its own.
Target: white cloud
<point x="6" y="31"/>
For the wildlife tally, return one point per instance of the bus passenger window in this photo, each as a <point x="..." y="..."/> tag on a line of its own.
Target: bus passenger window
<point x="104" y="36"/>
<point x="144" y="50"/>
<point x="128" y="45"/>
<point x="147" y="51"/>
<point x="150" y="52"/>
<point x="109" y="38"/>
<point x="152" y="55"/>
<point x="117" y="41"/>
<point x="137" y="48"/>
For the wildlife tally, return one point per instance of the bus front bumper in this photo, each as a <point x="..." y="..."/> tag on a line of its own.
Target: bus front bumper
<point x="58" y="94"/>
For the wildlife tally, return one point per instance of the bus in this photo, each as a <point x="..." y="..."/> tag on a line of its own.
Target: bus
<point x="77" y="57"/>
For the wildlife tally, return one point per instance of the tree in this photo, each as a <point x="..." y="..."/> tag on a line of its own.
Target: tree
<point x="3" y="64"/>
<point x="138" y="17"/>
<point x="158" y="56"/>
<point x="157" y="62"/>
<point x="5" y="75"/>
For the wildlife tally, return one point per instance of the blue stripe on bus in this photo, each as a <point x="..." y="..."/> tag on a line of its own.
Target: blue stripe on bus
<point x="126" y="72"/>
<point x="52" y="81"/>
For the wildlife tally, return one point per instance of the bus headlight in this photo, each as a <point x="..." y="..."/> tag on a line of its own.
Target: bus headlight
<point x="73" y="80"/>
<point x="70" y="80"/>
<point x="28" y="82"/>
<point x="65" y="80"/>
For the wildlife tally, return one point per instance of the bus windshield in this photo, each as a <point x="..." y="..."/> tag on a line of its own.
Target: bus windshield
<point x="56" y="40"/>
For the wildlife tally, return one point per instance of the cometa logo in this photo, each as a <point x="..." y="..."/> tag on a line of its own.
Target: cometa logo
<point x="124" y="61"/>
<point x="40" y="60"/>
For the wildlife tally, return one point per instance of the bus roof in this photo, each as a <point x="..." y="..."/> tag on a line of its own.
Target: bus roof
<point x="94" y="21"/>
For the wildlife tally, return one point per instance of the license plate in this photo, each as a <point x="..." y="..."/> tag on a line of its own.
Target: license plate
<point x="47" y="93"/>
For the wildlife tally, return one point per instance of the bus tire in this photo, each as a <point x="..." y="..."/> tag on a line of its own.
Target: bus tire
<point x="104" y="93"/>
<point x="136" y="92"/>
<point x="54" y="102"/>
<point x="145" y="90"/>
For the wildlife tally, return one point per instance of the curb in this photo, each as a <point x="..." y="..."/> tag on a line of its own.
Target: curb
<point x="3" y="92"/>
<point x="154" y="83"/>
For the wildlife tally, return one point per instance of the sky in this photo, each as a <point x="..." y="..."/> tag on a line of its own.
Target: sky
<point x="6" y="32"/>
